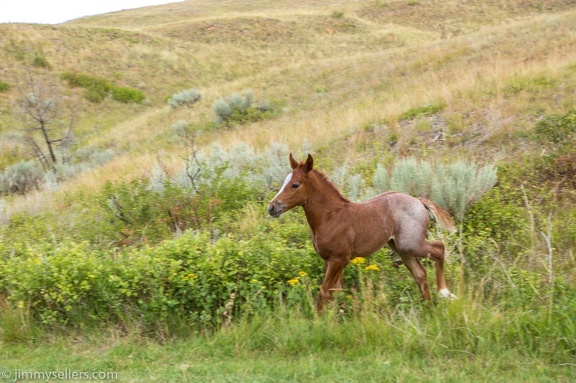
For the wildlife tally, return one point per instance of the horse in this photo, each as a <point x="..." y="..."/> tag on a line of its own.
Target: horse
<point x="343" y="230"/>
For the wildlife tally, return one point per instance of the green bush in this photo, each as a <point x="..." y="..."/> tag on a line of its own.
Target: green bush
<point x="137" y="214"/>
<point x="558" y="129"/>
<point x="4" y="86"/>
<point x="191" y="278"/>
<point x="497" y="222"/>
<point x="97" y="89"/>
<point x="149" y="210"/>
<point x="127" y="95"/>
<point x="41" y="62"/>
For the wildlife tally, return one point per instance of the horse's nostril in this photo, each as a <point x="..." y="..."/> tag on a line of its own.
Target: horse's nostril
<point x="270" y="209"/>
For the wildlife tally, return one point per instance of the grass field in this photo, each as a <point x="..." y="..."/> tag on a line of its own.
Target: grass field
<point x="459" y="341"/>
<point x="117" y="263"/>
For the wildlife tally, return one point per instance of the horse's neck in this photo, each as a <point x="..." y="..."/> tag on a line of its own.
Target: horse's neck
<point x="324" y="198"/>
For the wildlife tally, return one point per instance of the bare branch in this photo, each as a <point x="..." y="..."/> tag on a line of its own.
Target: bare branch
<point x="192" y="159"/>
<point x="39" y="118"/>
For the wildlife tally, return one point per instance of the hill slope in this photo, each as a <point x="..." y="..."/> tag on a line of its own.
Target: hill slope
<point x="337" y="71"/>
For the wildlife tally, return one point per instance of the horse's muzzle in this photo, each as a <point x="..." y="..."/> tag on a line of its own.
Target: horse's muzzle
<point x="275" y="209"/>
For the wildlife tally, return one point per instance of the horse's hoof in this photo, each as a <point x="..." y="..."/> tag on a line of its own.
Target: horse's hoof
<point x="445" y="293"/>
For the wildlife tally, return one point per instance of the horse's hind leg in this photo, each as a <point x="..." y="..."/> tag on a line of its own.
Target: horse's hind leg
<point x="418" y="271"/>
<point x="432" y="250"/>
<point x="435" y="251"/>
<point x="438" y="257"/>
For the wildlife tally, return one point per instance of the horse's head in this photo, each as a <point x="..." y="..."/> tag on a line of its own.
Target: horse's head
<point x="294" y="191"/>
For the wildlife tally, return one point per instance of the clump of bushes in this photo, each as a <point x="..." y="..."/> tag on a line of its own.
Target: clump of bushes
<point x="4" y="86"/>
<point x="191" y="279"/>
<point x="184" y="98"/>
<point x="209" y="185"/>
<point x="239" y="109"/>
<point x="40" y="61"/>
<point x="97" y="89"/>
<point x="25" y="176"/>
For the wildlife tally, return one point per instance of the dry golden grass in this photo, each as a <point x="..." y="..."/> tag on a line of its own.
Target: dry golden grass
<point x="344" y="73"/>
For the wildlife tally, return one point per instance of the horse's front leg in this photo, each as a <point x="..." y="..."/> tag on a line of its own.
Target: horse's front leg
<point x="332" y="280"/>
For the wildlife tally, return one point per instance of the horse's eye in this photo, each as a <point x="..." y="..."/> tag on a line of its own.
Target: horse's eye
<point x="295" y="185"/>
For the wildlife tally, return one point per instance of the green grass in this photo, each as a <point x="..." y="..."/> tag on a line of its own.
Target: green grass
<point x="458" y="341"/>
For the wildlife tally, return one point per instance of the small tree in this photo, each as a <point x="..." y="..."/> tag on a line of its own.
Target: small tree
<point x="45" y="130"/>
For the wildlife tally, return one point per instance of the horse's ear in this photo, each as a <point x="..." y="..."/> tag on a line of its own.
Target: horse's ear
<point x="293" y="162"/>
<point x="309" y="164"/>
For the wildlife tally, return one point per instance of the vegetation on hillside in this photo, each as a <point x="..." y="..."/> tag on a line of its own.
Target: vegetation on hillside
<point x="144" y="220"/>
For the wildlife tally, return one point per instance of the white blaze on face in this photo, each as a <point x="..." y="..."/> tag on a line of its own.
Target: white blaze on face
<point x="286" y="181"/>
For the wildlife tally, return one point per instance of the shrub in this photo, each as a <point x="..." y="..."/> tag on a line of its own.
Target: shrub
<point x="456" y="186"/>
<point x="184" y="98"/>
<point x="21" y="178"/>
<point x="96" y="89"/>
<point x="202" y="194"/>
<point x="4" y="86"/>
<point x="380" y="178"/>
<point x="497" y="219"/>
<point x="238" y="108"/>
<point x="558" y="129"/>
<point x="453" y="186"/>
<point x="190" y="278"/>
<point x="41" y="62"/>
<point x="222" y="111"/>
<point x="127" y="95"/>
<point x="25" y="176"/>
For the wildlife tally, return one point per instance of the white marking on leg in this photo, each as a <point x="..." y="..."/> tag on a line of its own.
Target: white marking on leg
<point x="445" y="293"/>
<point x="288" y="178"/>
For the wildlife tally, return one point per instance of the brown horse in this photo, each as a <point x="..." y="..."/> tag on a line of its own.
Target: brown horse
<point x="343" y="230"/>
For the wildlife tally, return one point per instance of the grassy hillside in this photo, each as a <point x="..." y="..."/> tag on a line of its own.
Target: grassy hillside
<point x="123" y="244"/>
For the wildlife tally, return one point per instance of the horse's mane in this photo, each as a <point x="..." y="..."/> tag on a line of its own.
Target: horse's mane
<point x="330" y="184"/>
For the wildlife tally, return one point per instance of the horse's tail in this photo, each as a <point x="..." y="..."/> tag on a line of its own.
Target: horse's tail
<point x="440" y="215"/>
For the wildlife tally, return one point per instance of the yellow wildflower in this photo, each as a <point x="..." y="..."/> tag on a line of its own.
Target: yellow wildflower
<point x="191" y="277"/>
<point x="294" y="281"/>
<point x="372" y="267"/>
<point x="358" y="260"/>
<point x="20" y="304"/>
<point x="302" y="274"/>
